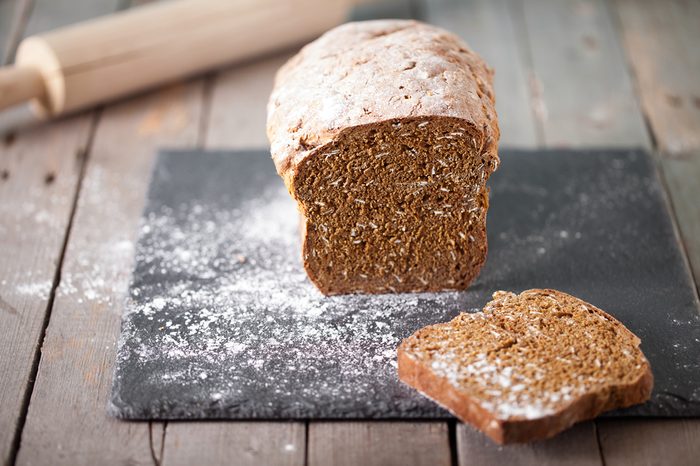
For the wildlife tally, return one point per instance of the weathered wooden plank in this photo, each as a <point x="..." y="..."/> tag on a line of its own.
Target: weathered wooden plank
<point x="52" y="14"/>
<point x="585" y="92"/>
<point x="7" y="19"/>
<point x="661" y="40"/>
<point x="576" y="447"/>
<point x="489" y="27"/>
<point x="13" y="16"/>
<point x="657" y="442"/>
<point x="39" y="173"/>
<point x="40" y="170"/>
<point x="378" y="443"/>
<point x="238" y="110"/>
<point x="377" y="9"/>
<point x="67" y="422"/>
<point x="224" y="443"/>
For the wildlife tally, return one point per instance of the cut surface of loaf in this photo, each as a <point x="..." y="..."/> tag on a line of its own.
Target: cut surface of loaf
<point x="528" y="366"/>
<point x="385" y="133"/>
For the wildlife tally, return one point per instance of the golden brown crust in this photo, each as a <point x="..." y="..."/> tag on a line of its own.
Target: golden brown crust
<point x="422" y="377"/>
<point x="372" y="71"/>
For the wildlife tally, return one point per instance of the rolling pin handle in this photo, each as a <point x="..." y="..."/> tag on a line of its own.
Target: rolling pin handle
<point x="19" y="84"/>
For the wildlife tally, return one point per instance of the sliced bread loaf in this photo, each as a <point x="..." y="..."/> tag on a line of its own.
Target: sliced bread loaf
<point x="528" y="366"/>
<point x="385" y="133"/>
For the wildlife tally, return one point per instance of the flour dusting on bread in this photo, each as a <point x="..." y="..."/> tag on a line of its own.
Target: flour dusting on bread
<point x="529" y="365"/>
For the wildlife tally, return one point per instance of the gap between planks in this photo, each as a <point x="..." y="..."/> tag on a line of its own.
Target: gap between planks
<point x="52" y="295"/>
<point x="577" y="446"/>
<point x="349" y="443"/>
<point x="14" y="16"/>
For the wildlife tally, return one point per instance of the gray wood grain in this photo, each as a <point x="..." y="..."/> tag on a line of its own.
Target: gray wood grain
<point x="380" y="443"/>
<point x="585" y="92"/>
<point x="7" y="16"/>
<point x="13" y="17"/>
<point x="39" y="173"/>
<point x="67" y="422"/>
<point x="51" y="14"/>
<point x="238" y="113"/>
<point x="489" y="28"/>
<point x="40" y="170"/>
<point x="391" y="9"/>
<point x="243" y="444"/>
<point x="661" y="40"/>
<point x="659" y="442"/>
<point x="576" y="447"/>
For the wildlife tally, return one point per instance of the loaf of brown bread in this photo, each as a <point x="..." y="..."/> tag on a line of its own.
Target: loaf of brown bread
<point x="385" y="134"/>
<point x="528" y="366"/>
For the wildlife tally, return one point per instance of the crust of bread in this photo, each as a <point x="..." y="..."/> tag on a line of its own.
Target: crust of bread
<point x="322" y="91"/>
<point x="467" y="408"/>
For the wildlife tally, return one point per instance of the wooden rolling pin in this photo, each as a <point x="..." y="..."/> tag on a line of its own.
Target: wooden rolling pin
<point x="100" y="60"/>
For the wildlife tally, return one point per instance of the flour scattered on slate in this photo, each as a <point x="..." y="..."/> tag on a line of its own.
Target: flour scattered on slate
<point x="222" y="322"/>
<point x="222" y="295"/>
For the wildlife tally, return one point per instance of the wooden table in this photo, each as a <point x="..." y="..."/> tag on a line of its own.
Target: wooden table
<point x="569" y="73"/>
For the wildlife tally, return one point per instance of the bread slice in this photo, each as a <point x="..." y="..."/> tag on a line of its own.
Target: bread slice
<point x="385" y="133"/>
<point x="529" y="366"/>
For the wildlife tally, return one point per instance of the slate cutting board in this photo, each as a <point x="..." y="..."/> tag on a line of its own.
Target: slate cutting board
<point x="221" y="321"/>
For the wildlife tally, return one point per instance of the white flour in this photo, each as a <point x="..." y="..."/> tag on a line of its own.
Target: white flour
<point x="222" y="321"/>
<point x="221" y="304"/>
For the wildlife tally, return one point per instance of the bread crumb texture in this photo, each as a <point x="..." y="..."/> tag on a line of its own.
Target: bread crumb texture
<point x="385" y="133"/>
<point x="529" y="365"/>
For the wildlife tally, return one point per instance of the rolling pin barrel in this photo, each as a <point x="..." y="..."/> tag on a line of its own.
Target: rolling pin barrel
<point x="103" y="59"/>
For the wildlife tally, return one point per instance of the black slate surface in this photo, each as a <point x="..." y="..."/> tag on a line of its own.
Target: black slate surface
<point x="222" y="323"/>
